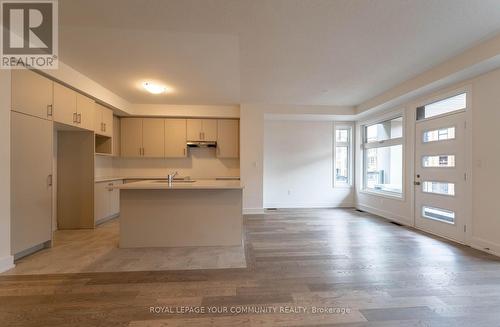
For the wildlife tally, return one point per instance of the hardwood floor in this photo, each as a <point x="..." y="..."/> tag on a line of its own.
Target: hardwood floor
<point x="362" y="269"/>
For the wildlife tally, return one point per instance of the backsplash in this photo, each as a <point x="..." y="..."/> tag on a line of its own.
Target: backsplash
<point x="200" y="163"/>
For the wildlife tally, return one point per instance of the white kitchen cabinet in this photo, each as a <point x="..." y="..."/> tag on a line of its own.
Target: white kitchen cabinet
<point x="175" y="138"/>
<point x="116" y="136"/>
<point x="65" y="105"/>
<point x="131" y="137"/>
<point x="32" y="94"/>
<point x="228" y="138"/>
<point x="153" y="138"/>
<point x="106" y="201"/>
<point x="142" y="137"/>
<point x="72" y="108"/>
<point x="31" y="181"/>
<point x="85" y="108"/>
<point x="201" y="130"/>
<point x="103" y="121"/>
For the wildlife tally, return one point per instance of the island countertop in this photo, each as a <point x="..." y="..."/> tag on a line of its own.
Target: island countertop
<point x="182" y="185"/>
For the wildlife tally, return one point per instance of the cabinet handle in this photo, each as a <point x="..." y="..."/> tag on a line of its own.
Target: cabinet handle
<point x="79" y="118"/>
<point x="75" y="117"/>
<point x="200" y="136"/>
<point x="49" y="110"/>
<point x="104" y="124"/>
<point x="184" y="151"/>
<point x="49" y="180"/>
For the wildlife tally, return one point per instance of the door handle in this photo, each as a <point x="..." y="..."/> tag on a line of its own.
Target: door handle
<point x="416" y="183"/>
<point x="49" y="110"/>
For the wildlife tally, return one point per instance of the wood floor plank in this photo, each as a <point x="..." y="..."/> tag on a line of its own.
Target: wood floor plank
<point x="371" y="272"/>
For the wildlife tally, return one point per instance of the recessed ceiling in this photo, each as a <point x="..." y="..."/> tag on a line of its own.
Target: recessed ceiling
<point x="303" y="52"/>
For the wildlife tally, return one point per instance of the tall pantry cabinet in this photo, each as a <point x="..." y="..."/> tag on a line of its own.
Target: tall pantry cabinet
<point x="31" y="161"/>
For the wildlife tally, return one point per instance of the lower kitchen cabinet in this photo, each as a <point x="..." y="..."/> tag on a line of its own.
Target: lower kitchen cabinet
<point x="106" y="201"/>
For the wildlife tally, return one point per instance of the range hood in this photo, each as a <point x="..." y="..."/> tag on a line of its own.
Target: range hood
<point x="201" y="144"/>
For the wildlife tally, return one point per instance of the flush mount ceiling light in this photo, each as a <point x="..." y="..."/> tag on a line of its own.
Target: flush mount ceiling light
<point x="154" y="88"/>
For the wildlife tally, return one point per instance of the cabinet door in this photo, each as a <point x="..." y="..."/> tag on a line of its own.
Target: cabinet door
<point x="228" y="138"/>
<point x="64" y="105"/>
<point x="86" y="112"/>
<point x="153" y="138"/>
<point x="194" y="130"/>
<point x="175" y="138"/>
<point x="31" y="189"/>
<point x="209" y="130"/>
<point x="107" y="120"/>
<point x="31" y="93"/>
<point x="131" y="137"/>
<point x="114" y="198"/>
<point x="101" y="201"/>
<point x="116" y="136"/>
<point x="98" y="127"/>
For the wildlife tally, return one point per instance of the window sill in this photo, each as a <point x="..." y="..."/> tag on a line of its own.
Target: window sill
<point x="387" y="195"/>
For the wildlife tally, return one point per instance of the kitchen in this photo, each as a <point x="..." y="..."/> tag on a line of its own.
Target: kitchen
<point x="64" y="131"/>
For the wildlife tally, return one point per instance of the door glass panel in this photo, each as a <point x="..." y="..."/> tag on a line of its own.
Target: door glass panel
<point x="438" y="161"/>
<point x="438" y="214"/>
<point x="439" y="135"/>
<point x="441" y="188"/>
<point x="457" y="102"/>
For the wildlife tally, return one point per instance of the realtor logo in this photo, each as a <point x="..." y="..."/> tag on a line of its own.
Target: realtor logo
<point x="29" y="34"/>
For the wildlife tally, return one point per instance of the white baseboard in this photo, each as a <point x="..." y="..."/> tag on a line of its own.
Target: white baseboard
<point x="385" y="214"/>
<point x="309" y="205"/>
<point x="483" y="245"/>
<point x="6" y="263"/>
<point x="253" y="211"/>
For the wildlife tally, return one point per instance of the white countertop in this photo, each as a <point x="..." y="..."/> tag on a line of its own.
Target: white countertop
<point x="115" y="178"/>
<point x="179" y="185"/>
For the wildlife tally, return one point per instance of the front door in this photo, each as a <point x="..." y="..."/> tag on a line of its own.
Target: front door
<point x="440" y="176"/>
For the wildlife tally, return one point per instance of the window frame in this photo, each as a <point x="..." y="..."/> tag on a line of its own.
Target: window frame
<point x="349" y="126"/>
<point x="383" y="144"/>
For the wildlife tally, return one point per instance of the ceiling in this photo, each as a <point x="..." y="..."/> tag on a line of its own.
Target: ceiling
<point x="301" y="52"/>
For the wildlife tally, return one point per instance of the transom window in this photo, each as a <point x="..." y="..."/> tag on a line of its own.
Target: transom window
<point x="441" y="107"/>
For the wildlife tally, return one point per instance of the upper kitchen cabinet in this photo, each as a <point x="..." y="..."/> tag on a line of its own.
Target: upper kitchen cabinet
<point x="86" y="112"/>
<point x="131" y="137"/>
<point x="103" y="121"/>
<point x="142" y="137"/>
<point x="201" y="129"/>
<point x="153" y="138"/>
<point x="228" y="138"/>
<point x="32" y="94"/>
<point x="65" y="105"/>
<point x="72" y="108"/>
<point x="175" y="138"/>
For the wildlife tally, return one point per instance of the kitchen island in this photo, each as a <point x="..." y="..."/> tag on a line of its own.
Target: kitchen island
<point x="156" y="213"/>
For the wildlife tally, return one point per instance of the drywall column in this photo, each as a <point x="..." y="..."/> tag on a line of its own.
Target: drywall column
<point x="251" y="158"/>
<point x="6" y="259"/>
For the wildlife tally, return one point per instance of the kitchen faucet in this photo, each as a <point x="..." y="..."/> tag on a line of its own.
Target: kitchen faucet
<point x="170" y="177"/>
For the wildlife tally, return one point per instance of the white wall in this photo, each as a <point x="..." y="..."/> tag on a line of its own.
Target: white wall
<point x="6" y="260"/>
<point x="252" y="118"/>
<point x="298" y="166"/>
